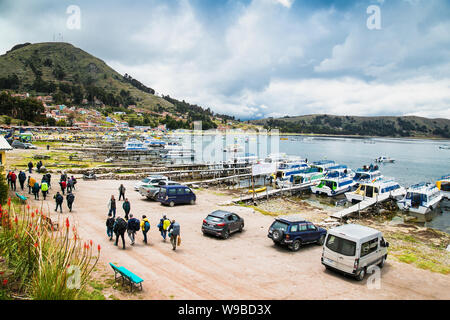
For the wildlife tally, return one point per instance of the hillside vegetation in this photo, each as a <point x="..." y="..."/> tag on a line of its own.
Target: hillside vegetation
<point x="71" y="74"/>
<point x="408" y="126"/>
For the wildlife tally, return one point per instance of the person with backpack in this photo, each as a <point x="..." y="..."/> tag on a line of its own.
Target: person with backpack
<point x="63" y="176"/>
<point x="112" y="206"/>
<point x="174" y="234"/>
<point x="110" y="226"/>
<point x="49" y="179"/>
<point x="13" y="180"/>
<point x="59" y="201"/>
<point x="30" y="167"/>
<point x="36" y="190"/>
<point x="122" y="192"/>
<point x="44" y="189"/>
<point x="69" y="185"/>
<point x="70" y="199"/>
<point x="22" y="179"/>
<point x="126" y="207"/>
<point x="163" y="225"/>
<point x="133" y="226"/>
<point x="120" y="226"/>
<point x="38" y="166"/>
<point x="74" y="182"/>
<point x="63" y="185"/>
<point x="145" y="226"/>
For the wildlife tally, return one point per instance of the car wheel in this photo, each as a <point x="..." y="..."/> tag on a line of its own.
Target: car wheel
<point x="360" y="276"/>
<point x="241" y="227"/>
<point x="277" y="235"/>
<point x="296" y="245"/>
<point x="226" y="234"/>
<point x="192" y="202"/>
<point x="321" y="240"/>
<point x="383" y="260"/>
<point x="171" y="203"/>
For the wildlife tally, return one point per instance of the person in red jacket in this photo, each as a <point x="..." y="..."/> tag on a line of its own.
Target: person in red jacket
<point x="13" y="178"/>
<point x="63" y="185"/>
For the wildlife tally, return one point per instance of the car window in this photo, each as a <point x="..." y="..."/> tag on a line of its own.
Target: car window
<point x="230" y="218"/>
<point x="340" y="245"/>
<point x="311" y="227"/>
<point x="369" y="247"/>
<point x="172" y="192"/>
<point x="187" y="190"/>
<point x="279" y="225"/>
<point x="180" y="191"/>
<point x="294" y="228"/>
<point x="303" y="227"/>
<point x="213" y="219"/>
<point x="235" y="217"/>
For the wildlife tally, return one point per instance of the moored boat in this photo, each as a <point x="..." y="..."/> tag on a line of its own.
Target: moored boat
<point x="421" y="198"/>
<point x="335" y="183"/>
<point x="443" y="184"/>
<point x="376" y="188"/>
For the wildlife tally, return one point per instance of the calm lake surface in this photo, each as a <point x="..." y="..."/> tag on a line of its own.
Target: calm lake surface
<point x="415" y="160"/>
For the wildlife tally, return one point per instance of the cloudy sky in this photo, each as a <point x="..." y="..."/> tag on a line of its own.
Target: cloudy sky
<point x="259" y="58"/>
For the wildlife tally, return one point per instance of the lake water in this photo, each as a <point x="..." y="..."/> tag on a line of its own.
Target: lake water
<point x="415" y="160"/>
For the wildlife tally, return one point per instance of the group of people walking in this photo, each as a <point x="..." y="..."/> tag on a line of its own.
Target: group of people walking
<point x="35" y="188"/>
<point x="131" y="225"/>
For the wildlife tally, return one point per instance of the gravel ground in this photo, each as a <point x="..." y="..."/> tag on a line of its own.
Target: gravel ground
<point x="246" y="266"/>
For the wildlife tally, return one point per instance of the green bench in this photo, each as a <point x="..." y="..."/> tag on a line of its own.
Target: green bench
<point x="21" y="197"/>
<point x="126" y="275"/>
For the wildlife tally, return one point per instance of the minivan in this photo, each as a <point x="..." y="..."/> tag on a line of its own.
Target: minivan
<point x="353" y="248"/>
<point x="171" y="195"/>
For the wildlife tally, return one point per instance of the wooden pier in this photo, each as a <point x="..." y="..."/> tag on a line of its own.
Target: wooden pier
<point x="275" y="192"/>
<point x="366" y="203"/>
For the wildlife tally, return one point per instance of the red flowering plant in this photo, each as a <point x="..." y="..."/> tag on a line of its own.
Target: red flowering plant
<point x="40" y="257"/>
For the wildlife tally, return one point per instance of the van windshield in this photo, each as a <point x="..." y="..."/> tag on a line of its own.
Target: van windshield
<point x="340" y="245"/>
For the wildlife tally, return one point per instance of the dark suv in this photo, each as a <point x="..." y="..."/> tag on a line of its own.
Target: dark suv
<point x="295" y="232"/>
<point x="222" y="223"/>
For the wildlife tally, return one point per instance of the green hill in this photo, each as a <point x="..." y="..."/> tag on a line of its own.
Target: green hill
<point x="68" y="73"/>
<point x="407" y="126"/>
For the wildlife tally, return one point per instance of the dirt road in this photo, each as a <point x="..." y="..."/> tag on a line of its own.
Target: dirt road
<point x="246" y="266"/>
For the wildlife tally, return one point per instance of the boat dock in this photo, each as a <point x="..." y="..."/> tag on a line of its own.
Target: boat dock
<point x="366" y="203"/>
<point x="275" y="192"/>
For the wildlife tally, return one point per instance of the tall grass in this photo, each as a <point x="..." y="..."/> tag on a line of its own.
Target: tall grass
<point x="40" y="257"/>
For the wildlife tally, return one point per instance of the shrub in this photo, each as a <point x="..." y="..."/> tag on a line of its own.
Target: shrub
<point x="41" y="259"/>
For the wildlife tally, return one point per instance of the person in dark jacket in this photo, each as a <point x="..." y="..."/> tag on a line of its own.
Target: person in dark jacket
<point x="30" y="167"/>
<point x="36" y="190"/>
<point x="70" y="199"/>
<point x="59" y="201"/>
<point x="39" y="166"/>
<point x="74" y="182"/>
<point x="49" y="180"/>
<point x="8" y="178"/>
<point x="133" y="226"/>
<point x="110" y="226"/>
<point x="122" y="192"/>
<point x="174" y="233"/>
<point x="120" y="226"/>
<point x="69" y="185"/>
<point x="126" y="207"/>
<point x="22" y="179"/>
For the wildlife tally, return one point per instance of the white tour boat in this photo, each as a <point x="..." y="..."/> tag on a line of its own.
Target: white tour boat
<point x="421" y="198"/>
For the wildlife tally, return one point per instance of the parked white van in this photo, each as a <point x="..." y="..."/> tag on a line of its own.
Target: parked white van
<point x="352" y="248"/>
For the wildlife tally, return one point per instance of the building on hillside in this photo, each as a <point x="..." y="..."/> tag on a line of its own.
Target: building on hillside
<point x="4" y="146"/>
